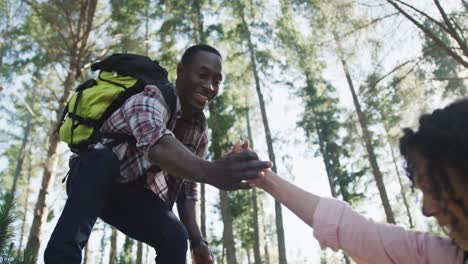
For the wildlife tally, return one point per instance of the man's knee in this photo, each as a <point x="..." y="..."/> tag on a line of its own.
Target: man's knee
<point x="175" y="238"/>
<point x="57" y="254"/>
<point x="181" y="236"/>
<point x="173" y="247"/>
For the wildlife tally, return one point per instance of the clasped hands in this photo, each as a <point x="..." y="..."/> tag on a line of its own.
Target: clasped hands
<point x="259" y="182"/>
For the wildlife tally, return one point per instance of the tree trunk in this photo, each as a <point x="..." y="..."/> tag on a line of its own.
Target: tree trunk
<point x="113" y="249"/>
<point x="139" y="259"/>
<point x="86" y="255"/>
<point x="22" y="152"/>
<point x="103" y="243"/>
<point x="256" y="236"/>
<point x="203" y="209"/>
<point x="402" y="188"/>
<point x="78" y="53"/>
<point x="26" y="201"/>
<point x="41" y="208"/>
<point x="228" y="237"/>
<point x="367" y="138"/>
<point x="325" y="158"/>
<point x="146" y="254"/>
<point x="200" y="38"/>
<point x="147" y="18"/>
<point x="265" y="235"/>
<point x="267" y="254"/>
<point x="271" y="154"/>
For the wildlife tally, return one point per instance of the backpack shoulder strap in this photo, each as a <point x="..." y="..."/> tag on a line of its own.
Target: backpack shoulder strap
<point x="169" y="96"/>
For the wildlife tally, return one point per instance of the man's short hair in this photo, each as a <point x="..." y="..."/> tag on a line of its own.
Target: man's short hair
<point x="192" y="51"/>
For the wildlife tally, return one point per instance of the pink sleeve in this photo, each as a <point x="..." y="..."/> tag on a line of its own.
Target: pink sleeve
<point x="337" y="226"/>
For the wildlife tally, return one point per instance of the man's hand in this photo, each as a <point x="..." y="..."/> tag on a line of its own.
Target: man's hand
<point x="202" y="254"/>
<point x="234" y="170"/>
<point x="227" y="173"/>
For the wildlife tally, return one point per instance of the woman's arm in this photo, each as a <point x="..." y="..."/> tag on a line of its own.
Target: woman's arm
<point x="338" y="226"/>
<point x="299" y="201"/>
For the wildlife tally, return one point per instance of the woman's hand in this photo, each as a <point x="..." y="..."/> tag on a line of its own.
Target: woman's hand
<point x="244" y="146"/>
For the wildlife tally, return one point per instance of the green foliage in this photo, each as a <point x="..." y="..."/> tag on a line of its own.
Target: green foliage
<point x="321" y="122"/>
<point x="321" y="119"/>
<point x="8" y="254"/>
<point x="13" y="38"/>
<point x="126" y="254"/>
<point x="242" y="213"/>
<point x="129" y="27"/>
<point x="445" y="69"/>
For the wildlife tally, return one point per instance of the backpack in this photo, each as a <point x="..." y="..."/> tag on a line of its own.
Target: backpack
<point x="94" y="101"/>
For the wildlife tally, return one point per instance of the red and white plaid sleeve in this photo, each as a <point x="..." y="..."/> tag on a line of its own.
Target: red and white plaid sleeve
<point x="147" y="114"/>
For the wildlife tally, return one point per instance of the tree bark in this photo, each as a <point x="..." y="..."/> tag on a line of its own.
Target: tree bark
<point x="147" y="18"/>
<point x="41" y="208"/>
<point x="228" y="238"/>
<point x="22" y="152"/>
<point x="103" y="243"/>
<point x="86" y="255"/>
<point x="431" y="34"/>
<point x="200" y="38"/>
<point x="78" y="53"/>
<point x="113" y="249"/>
<point x="26" y="201"/>
<point x="269" y="140"/>
<point x="203" y="209"/>
<point x="400" y="182"/>
<point x="139" y="259"/>
<point x="226" y="216"/>
<point x="256" y="235"/>
<point x="366" y="137"/>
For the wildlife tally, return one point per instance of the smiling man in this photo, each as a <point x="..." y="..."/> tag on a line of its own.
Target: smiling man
<point x="134" y="185"/>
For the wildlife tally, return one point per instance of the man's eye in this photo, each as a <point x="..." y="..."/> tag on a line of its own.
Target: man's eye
<point x="202" y="75"/>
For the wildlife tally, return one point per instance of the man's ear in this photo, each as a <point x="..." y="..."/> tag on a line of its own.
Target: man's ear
<point x="180" y="71"/>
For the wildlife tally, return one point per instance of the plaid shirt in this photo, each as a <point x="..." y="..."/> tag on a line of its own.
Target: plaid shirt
<point x="145" y="116"/>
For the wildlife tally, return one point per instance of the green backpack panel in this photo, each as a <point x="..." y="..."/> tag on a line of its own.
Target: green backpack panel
<point x="81" y="122"/>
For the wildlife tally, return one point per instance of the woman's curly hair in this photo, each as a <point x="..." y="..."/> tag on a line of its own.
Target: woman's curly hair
<point x="442" y="139"/>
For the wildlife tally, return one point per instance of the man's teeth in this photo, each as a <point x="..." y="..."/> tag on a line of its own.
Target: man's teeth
<point x="202" y="96"/>
<point x="448" y="228"/>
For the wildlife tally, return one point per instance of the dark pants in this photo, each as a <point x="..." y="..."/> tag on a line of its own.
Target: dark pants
<point x="131" y="208"/>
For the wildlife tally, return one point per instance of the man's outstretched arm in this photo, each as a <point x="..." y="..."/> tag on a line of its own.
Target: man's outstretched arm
<point x="146" y="115"/>
<point x="227" y="173"/>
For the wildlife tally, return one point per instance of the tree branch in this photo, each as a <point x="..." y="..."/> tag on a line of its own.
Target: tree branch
<point x="430" y="34"/>
<point x="452" y="30"/>
<point x="425" y="15"/>
<point x="450" y="79"/>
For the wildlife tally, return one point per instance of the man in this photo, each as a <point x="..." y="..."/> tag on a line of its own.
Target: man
<point x="134" y="186"/>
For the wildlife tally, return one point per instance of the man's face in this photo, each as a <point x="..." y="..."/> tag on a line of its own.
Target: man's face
<point x="199" y="81"/>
